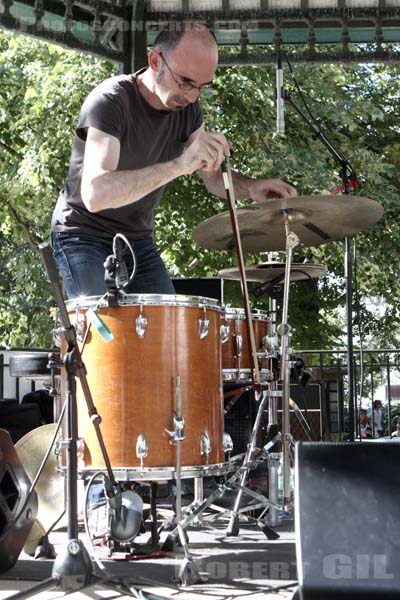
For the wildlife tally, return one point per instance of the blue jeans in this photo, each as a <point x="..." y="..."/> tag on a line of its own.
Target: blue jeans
<point x="81" y="260"/>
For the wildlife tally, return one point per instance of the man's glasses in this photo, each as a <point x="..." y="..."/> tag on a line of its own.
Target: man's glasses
<point x="187" y="86"/>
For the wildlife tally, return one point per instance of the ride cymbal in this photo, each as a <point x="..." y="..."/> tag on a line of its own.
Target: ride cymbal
<point x="268" y="271"/>
<point x="315" y="219"/>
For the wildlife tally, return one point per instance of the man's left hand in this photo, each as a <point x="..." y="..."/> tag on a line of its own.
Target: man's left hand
<point x="262" y="189"/>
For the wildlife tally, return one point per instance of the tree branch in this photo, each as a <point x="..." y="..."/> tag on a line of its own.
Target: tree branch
<point x="32" y="238"/>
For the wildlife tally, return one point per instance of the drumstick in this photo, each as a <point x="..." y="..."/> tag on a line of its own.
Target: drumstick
<point x="230" y="194"/>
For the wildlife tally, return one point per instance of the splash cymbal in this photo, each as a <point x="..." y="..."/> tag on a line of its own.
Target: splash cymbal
<point x="315" y="219"/>
<point x="268" y="271"/>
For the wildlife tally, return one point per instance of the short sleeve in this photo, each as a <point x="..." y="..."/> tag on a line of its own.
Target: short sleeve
<point x="198" y="116"/>
<point x="102" y="111"/>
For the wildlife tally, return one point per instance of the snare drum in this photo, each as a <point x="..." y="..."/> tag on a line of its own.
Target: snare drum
<point x="235" y="349"/>
<point x="164" y="349"/>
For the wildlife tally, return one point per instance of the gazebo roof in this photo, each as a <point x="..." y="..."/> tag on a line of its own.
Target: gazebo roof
<point x="359" y="30"/>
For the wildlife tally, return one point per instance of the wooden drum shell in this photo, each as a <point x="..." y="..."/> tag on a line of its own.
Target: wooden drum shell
<point x="133" y="382"/>
<point x="235" y="319"/>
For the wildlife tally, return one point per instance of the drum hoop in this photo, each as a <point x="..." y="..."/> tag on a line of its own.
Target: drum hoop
<point x="84" y="302"/>
<point x="256" y="315"/>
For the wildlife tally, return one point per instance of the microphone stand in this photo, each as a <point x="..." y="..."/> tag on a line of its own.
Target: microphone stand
<point x="73" y="568"/>
<point x="349" y="180"/>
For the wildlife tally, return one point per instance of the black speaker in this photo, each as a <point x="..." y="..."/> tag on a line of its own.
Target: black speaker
<point x="17" y="511"/>
<point x="208" y="287"/>
<point x="223" y="290"/>
<point x="347" y="520"/>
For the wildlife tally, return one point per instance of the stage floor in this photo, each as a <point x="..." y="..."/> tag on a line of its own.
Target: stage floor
<point x="245" y="566"/>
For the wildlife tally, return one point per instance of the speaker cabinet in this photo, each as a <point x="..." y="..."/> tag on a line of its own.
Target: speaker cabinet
<point x="347" y="520"/>
<point x="17" y="511"/>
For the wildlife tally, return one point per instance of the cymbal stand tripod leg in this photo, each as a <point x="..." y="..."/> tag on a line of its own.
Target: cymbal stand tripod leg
<point x="233" y="526"/>
<point x="284" y="330"/>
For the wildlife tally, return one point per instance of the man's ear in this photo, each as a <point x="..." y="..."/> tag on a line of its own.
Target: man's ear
<point x="154" y="60"/>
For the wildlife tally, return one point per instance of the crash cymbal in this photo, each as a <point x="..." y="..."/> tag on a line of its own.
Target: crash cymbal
<point x="268" y="271"/>
<point x="315" y="219"/>
<point x="31" y="450"/>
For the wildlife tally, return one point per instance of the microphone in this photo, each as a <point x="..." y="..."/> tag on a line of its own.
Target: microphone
<point x="270" y="287"/>
<point x="125" y="513"/>
<point x="121" y="270"/>
<point x="280" y="100"/>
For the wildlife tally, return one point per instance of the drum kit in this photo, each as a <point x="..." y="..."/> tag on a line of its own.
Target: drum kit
<point x="157" y="365"/>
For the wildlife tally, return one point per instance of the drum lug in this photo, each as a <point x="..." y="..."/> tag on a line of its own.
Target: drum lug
<point x="80" y="325"/>
<point x="205" y="445"/>
<point x="238" y="345"/>
<point x="142" y="448"/>
<point x="271" y="345"/>
<point x="224" y="333"/>
<point x="203" y="325"/>
<point x="141" y="324"/>
<point x="227" y="443"/>
<point x="178" y="433"/>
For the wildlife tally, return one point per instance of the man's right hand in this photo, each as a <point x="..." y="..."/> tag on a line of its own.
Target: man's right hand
<point x="206" y="153"/>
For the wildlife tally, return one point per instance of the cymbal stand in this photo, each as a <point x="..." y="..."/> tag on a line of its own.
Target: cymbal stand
<point x="272" y="427"/>
<point x="285" y="332"/>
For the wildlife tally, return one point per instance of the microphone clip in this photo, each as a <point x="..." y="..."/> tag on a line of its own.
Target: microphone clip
<point x="110" y="267"/>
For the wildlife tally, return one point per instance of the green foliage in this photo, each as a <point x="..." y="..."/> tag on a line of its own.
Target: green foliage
<point x="41" y="90"/>
<point x="358" y="107"/>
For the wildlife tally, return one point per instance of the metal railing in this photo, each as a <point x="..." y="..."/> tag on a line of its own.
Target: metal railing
<point x="375" y="374"/>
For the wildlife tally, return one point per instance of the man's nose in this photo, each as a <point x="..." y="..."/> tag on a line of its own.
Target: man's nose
<point x="193" y="94"/>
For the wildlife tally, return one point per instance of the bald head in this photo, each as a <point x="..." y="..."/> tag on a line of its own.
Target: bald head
<point x="195" y="31"/>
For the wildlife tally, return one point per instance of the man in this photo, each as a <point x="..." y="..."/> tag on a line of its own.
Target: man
<point x="375" y="417"/>
<point x="365" y="426"/>
<point x="135" y="134"/>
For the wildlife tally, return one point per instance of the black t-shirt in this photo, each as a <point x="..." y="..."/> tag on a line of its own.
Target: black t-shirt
<point x="147" y="136"/>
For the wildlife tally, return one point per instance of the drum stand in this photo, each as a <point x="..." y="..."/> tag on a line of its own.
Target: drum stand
<point x="273" y="394"/>
<point x="285" y="332"/>
<point x="73" y="568"/>
<point x="188" y="572"/>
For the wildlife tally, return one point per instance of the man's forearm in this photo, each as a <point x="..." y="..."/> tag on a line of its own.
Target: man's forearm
<point x="113" y="189"/>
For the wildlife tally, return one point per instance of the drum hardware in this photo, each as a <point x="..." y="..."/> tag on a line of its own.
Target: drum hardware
<point x="205" y="446"/>
<point x="188" y="572"/>
<point x="233" y="527"/>
<point x="224" y="333"/>
<point x="116" y="275"/>
<point x="227" y="444"/>
<point x="203" y="325"/>
<point x="194" y="512"/>
<point x="238" y="347"/>
<point x="141" y="323"/>
<point x="142" y="449"/>
<point x="80" y="325"/>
